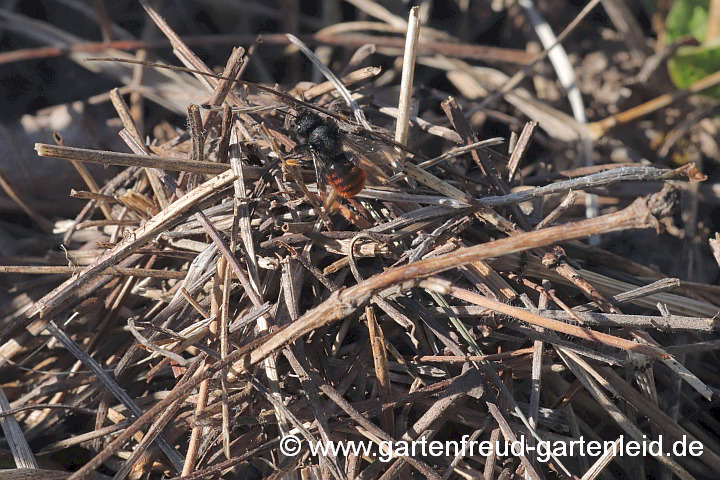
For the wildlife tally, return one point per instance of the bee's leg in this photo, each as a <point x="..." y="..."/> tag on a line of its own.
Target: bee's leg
<point x="330" y="202"/>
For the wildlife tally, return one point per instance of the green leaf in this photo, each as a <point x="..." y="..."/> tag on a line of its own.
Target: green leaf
<point x="687" y="17"/>
<point x="690" y="64"/>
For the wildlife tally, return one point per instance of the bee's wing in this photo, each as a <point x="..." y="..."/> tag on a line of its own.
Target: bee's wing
<point x="320" y="173"/>
<point x="378" y="159"/>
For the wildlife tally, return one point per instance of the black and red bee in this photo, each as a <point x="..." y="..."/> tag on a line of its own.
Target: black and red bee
<point x="344" y="159"/>
<point x="325" y="142"/>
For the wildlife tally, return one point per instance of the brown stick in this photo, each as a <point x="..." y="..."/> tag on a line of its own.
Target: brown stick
<point x="557" y="325"/>
<point x="42" y="222"/>
<point x="521" y="148"/>
<point x="459" y="50"/>
<point x="125" y="272"/>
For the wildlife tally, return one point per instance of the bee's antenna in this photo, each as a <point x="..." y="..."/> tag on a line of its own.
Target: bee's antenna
<point x="163" y="66"/>
<point x="283" y="96"/>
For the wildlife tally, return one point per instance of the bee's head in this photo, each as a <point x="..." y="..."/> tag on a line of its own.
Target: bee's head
<point x="306" y="122"/>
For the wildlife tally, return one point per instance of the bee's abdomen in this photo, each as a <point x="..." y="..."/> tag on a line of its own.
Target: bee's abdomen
<point x="344" y="176"/>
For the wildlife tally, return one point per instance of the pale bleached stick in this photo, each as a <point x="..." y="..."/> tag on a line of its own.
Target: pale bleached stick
<point x="408" y="74"/>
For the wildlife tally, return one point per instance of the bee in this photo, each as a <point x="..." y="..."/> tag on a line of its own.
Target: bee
<point x="344" y="160"/>
<point x="325" y="142"/>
